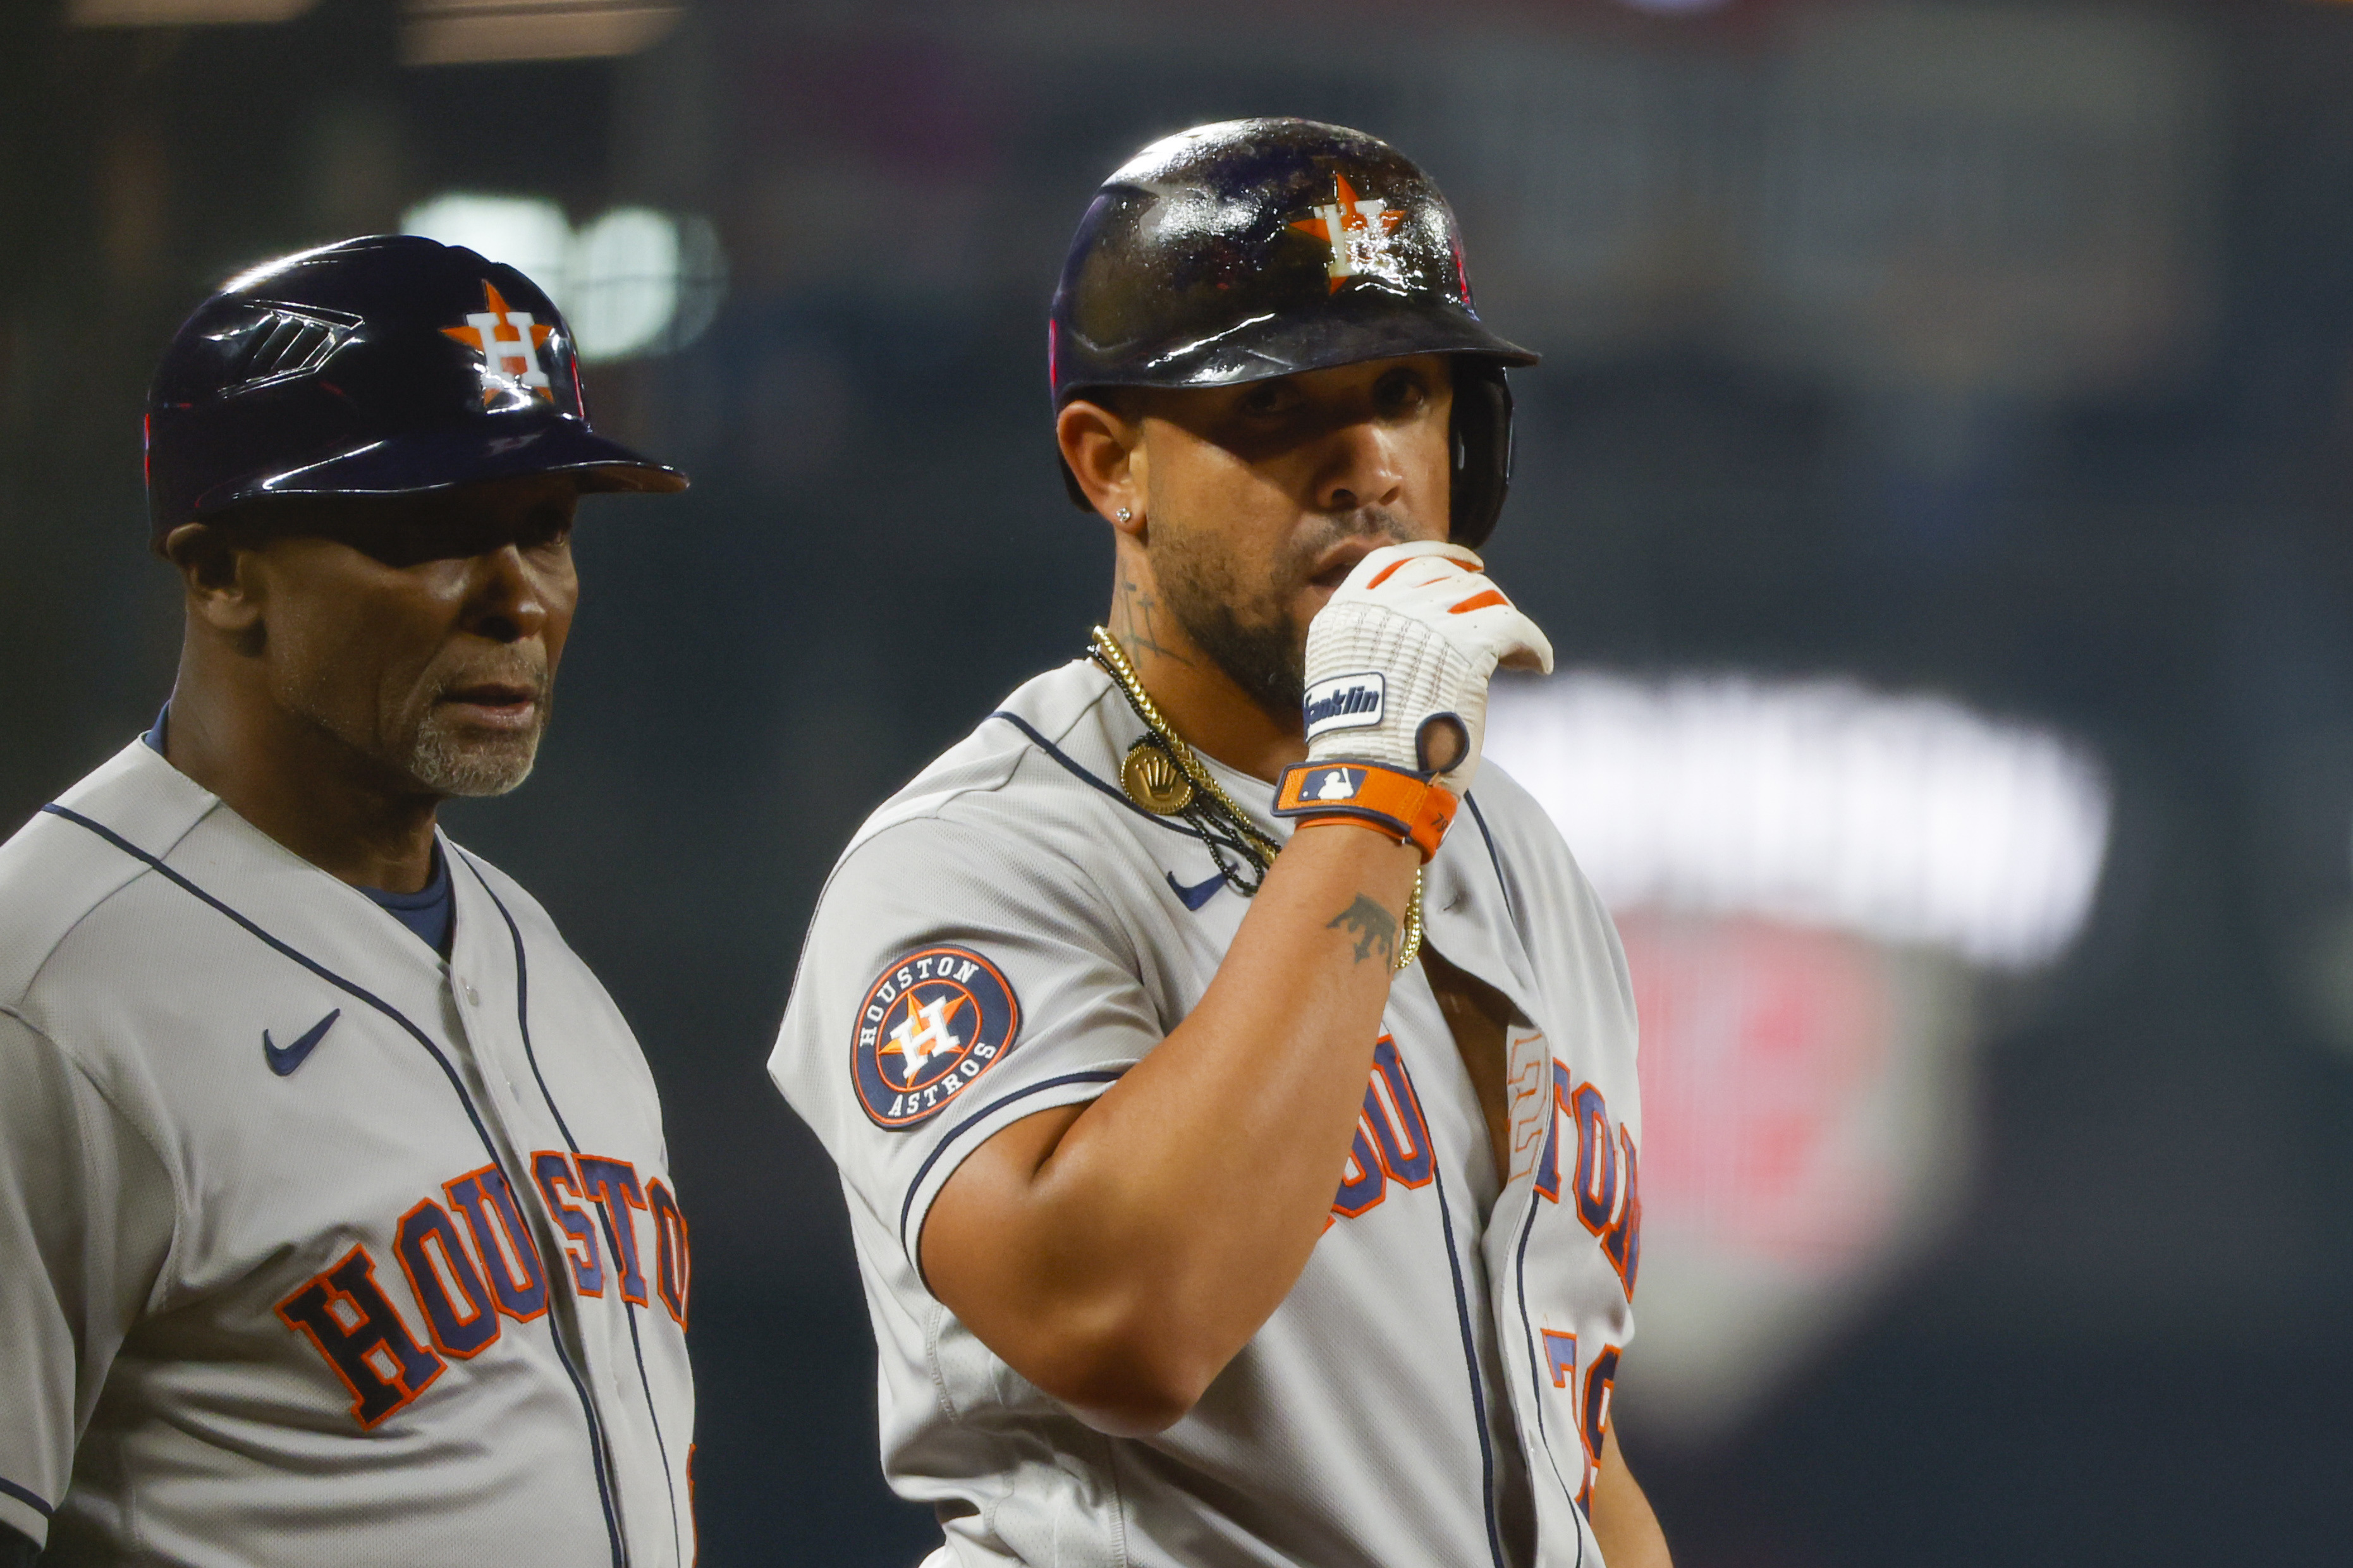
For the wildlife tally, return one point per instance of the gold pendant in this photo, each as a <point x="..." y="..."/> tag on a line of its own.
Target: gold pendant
<point x="1153" y="781"/>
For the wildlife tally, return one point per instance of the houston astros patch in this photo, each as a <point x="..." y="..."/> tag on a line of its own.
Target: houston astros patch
<point x="932" y="1023"/>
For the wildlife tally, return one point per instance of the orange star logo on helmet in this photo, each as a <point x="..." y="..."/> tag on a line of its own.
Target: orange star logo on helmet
<point x="1355" y="230"/>
<point x="508" y="342"/>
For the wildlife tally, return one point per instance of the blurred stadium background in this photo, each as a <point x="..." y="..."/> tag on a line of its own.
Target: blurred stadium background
<point x="1937" y="487"/>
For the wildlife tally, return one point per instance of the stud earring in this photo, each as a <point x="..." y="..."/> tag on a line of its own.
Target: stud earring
<point x="1125" y="515"/>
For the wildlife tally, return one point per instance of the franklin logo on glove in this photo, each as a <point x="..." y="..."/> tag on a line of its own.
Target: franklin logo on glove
<point x="1344" y="702"/>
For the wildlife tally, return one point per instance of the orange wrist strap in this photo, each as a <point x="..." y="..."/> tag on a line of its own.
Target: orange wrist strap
<point x="1367" y="794"/>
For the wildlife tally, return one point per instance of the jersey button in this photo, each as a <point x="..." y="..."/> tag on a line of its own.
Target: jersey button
<point x="473" y="997"/>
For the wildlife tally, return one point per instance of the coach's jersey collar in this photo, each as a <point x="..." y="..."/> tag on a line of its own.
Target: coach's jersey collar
<point x="152" y="805"/>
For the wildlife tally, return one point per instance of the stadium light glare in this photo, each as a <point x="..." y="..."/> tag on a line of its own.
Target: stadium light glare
<point x="1909" y="820"/>
<point x="459" y="32"/>
<point x="634" y="281"/>
<point x="182" y="13"/>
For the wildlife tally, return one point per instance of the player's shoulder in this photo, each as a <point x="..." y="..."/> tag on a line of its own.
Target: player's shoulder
<point x="71" y="860"/>
<point x="531" y="916"/>
<point x="1561" y="918"/>
<point x="485" y="892"/>
<point x="1522" y="832"/>
<point x="1538" y="868"/>
<point x="1033" y="772"/>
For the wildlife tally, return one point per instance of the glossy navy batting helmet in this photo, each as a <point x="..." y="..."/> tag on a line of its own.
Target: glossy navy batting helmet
<point x="1254" y="248"/>
<point x="386" y="366"/>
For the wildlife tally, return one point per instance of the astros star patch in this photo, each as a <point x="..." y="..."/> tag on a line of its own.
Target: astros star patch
<point x="928" y="1027"/>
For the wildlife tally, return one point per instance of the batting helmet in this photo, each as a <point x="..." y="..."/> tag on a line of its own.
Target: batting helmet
<point x="1255" y="248"/>
<point x="379" y="366"/>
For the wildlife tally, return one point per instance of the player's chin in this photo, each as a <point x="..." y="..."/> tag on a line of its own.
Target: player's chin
<point x="454" y="756"/>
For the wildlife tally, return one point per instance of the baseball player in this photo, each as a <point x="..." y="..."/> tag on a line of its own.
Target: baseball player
<point x="335" y="1218"/>
<point x="1233" y="1082"/>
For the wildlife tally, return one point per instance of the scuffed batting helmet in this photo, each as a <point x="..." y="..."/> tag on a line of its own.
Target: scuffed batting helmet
<point x="386" y="365"/>
<point x="1254" y="248"/>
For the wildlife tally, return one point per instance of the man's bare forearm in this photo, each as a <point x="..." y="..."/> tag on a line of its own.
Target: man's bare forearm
<point x="1120" y="1254"/>
<point x="1622" y="1522"/>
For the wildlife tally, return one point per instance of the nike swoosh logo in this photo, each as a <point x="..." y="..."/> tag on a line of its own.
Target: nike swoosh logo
<point x="1199" y="893"/>
<point x="284" y="1059"/>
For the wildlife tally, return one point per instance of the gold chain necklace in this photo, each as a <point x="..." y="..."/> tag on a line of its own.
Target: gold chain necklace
<point x="1152" y="781"/>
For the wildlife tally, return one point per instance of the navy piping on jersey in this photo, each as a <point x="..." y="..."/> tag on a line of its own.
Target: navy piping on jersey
<point x="1527" y="1229"/>
<point x="1492" y="855"/>
<point x="629" y="1308"/>
<point x="1081" y="772"/>
<point x="1527" y="1334"/>
<point x="431" y="912"/>
<point x="1098" y="1075"/>
<point x="1453" y="1262"/>
<point x="457" y="1086"/>
<point x="1471" y="1365"/>
<point x="27" y="1496"/>
<point x="1535" y="1378"/>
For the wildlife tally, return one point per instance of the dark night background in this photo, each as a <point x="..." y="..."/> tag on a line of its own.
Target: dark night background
<point x="2131" y="1347"/>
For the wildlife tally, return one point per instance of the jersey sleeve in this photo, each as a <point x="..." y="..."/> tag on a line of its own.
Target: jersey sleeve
<point x="954" y="981"/>
<point x="87" y="1214"/>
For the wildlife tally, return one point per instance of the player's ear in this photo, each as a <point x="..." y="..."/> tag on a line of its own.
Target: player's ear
<point x="218" y="576"/>
<point x="1104" y="450"/>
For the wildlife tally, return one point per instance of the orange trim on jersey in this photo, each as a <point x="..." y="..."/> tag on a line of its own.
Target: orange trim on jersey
<point x="1593" y="1415"/>
<point x="673" y="1262"/>
<point x="564" y="1196"/>
<point x="358" y="1270"/>
<point x="1562" y="1367"/>
<point x="1364" y="1159"/>
<point x="448" y="1280"/>
<point x="513" y="1255"/>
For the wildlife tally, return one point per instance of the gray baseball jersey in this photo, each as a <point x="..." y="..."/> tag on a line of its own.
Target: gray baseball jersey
<point x="313" y="1248"/>
<point x="1009" y="933"/>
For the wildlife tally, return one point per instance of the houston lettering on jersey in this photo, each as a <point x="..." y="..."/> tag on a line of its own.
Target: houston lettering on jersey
<point x="469" y="1260"/>
<point x="1392" y="1141"/>
<point x="1392" y="1148"/>
<point x="1606" y="1193"/>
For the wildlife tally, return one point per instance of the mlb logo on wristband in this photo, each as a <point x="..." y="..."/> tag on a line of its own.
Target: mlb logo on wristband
<point x="1333" y="784"/>
<point x="1344" y="702"/>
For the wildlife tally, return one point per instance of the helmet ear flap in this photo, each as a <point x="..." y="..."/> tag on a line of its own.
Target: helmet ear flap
<point x="1479" y="444"/>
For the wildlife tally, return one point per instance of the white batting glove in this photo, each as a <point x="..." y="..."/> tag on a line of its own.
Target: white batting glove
<point x="1399" y="661"/>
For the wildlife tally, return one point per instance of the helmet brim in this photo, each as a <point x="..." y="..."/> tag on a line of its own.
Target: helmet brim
<point x="1374" y="328"/>
<point x="427" y="460"/>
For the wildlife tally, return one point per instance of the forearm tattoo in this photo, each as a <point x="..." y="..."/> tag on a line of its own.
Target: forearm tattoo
<point x="1371" y="925"/>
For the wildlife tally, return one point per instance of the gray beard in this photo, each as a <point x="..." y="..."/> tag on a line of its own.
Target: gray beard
<point x="447" y="765"/>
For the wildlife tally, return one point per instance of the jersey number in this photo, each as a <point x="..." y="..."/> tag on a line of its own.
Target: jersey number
<point x="1589" y="1400"/>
